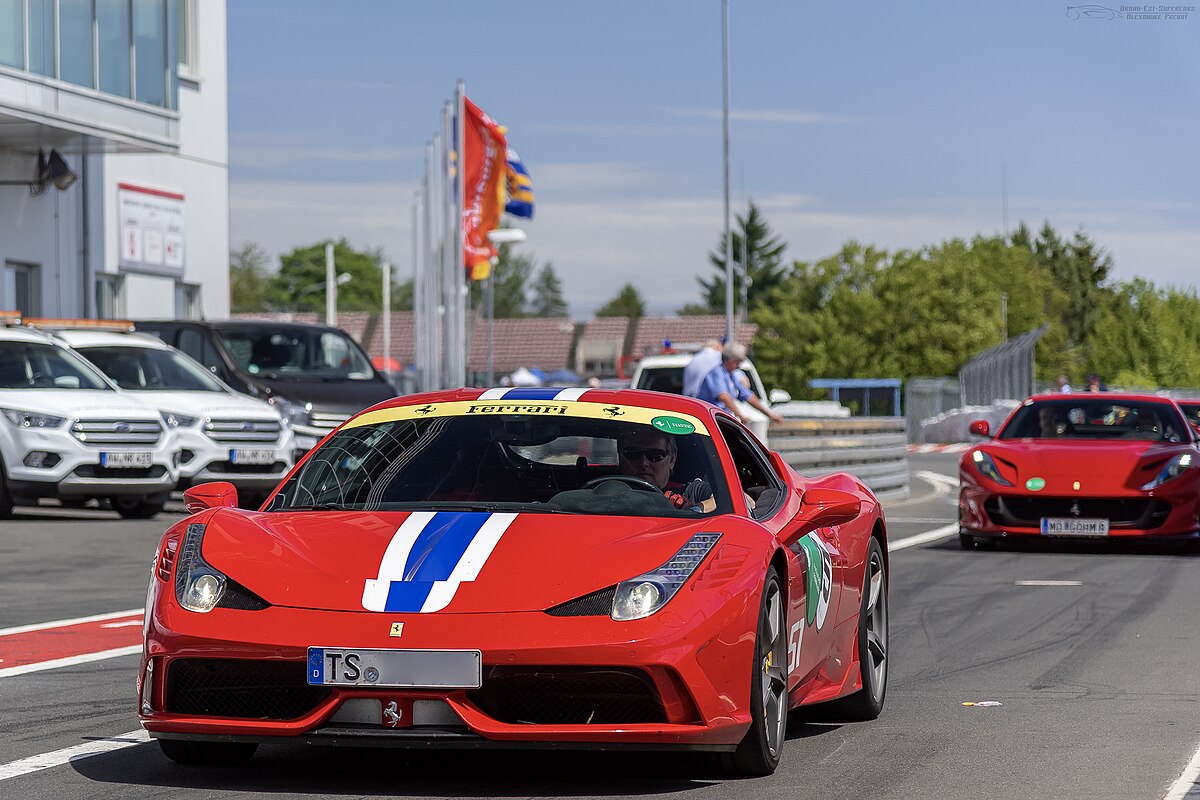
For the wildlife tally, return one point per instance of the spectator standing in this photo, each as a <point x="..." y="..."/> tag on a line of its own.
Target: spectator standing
<point x="1094" y="384"/>
<point x="701" y="364"/>
<point x="720" y="388"/>
<point x="1063" y="385"/>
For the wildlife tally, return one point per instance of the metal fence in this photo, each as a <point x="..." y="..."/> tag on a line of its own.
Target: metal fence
<point x="1006" y="372"/>
<point x="873" y="449"/>
<point x="925" y="398"/>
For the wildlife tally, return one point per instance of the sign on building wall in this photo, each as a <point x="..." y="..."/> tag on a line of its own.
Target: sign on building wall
<point x="151" y="230"/>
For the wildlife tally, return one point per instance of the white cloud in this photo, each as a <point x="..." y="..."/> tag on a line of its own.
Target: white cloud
<point x="276" y="151"/>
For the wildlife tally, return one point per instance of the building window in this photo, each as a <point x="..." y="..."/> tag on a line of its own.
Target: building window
<point x="110" y="296"/>
<point x="187" y="301"/>
<point x="21" y="289"/>
<point x="149" y="27"/>
<point x="189" y="55"/>
<point x="75" y="43"/>
<point x="112" y="28"/>
<point x="12" y="24"/>
<point x="41" y="37"/>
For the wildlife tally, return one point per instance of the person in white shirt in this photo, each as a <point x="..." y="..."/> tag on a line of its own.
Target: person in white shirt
<point x="700" y="365"/>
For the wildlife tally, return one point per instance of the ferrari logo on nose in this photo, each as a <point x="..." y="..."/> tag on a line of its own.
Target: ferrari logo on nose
<point x="397" y="629"/>
<point x="1075" y="509"/>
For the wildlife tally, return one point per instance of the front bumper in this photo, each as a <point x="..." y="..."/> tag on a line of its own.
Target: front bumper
<point x="699" y="676"/>
<point x="203" y="460"/>
<point x="76" y="470"/>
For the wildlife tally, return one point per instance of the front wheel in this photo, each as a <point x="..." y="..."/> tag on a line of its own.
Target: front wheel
<point x="6" y="503"/>
<point x="183" y="751"/>
<point x="760" y="751"/>
<point x="136" y="508"/>
<point x="867" y="702"/>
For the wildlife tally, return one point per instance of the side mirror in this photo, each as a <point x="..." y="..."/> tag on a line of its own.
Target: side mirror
<point x="219" y="494"/>
<point x="980" y="427"/>
<point x="778" y="396"/>
<point x="823" y="508"/>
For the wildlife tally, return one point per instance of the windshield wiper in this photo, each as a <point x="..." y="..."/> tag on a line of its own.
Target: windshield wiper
<point x="314" y="507"/>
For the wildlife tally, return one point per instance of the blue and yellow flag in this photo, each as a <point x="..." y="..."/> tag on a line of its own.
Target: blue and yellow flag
<point x="520" y="188"/>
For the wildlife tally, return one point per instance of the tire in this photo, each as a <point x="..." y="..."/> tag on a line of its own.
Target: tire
<point x="136" y="508"/>
<point x="968" y="542"/>
<point x="867" y="702"/>
<point x="182" y="751"/>
<point x="6" y="503"/>
<point x="761" y="749"/>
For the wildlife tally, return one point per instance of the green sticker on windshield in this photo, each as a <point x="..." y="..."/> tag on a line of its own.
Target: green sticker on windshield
<point x="673" y="425"/>
<point x="1035" y="484"/>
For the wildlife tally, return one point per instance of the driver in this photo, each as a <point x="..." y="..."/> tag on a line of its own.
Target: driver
<point x="649" y="454"/>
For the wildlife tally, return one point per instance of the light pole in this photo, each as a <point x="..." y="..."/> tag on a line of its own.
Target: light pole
<point x="498" y="236"/>
<point x="725" y="142"/>
<point x="340" y="280"/>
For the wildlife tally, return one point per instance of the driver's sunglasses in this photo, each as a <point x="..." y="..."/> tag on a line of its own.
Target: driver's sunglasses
<point x="653" y="455"/>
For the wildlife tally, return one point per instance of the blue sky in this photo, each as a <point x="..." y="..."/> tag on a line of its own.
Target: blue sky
<point x="887" y="123"/>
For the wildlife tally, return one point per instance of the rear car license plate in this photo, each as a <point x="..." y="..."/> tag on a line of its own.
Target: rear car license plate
<point x="402" y="669"/>
<point x="252" y="456"/>
<point x="1074" y="526"/>
<point x="125" y="460"/>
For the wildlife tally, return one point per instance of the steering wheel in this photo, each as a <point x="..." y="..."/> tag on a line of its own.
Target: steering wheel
<point x="629" y="480"/>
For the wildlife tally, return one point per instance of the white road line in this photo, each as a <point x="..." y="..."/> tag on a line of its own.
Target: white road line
<point x="916" y="520"/>
<point x="1049" y="583"/>
<point x="1187" y="780"/>
<point x="57" y="758"/>
<point x="945" y="483"/>
<point x="70" y="661"/>
<point x="924" y="538"/>
<point x="127" y="624"/>
<point x="62" y="623"/>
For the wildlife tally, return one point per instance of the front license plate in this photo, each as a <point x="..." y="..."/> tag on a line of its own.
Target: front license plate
<point x="125" y="460"/>
<point x="252" y="456"/>
<point x="401" y="669"/>
<point x="1071" y="526"/>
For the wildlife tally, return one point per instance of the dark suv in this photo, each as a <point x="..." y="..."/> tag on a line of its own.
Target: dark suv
<point x="317" y="376"/>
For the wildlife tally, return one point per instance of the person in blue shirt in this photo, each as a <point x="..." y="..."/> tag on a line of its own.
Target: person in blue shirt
<point x="722" y="390"/>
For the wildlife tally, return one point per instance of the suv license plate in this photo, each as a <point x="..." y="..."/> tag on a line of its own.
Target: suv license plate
<point x="398" y="669"/>
<point x="1074" y="526"/>
<point x="125" y="460"/>
<point x="252" y="456"/>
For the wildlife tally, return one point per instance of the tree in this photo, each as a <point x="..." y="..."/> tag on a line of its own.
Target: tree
<point x="249" y="277"/>
<point x="755" y="247"/>
<point x="511" y="275"/>
<point x="547" y="297"/>
<point x="1079" y="268"/>
<point x="627" y="303"/>
<point x="300" y="283"/>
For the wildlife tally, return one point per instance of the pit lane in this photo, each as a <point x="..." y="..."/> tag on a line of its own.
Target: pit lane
<point x="1098" y="690"/>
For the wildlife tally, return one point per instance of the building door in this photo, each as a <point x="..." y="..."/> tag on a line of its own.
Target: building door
<point x="21" y="289"/>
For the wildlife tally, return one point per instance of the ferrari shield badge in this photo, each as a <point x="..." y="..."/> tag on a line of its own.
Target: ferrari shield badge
<point x="819" y="583"/>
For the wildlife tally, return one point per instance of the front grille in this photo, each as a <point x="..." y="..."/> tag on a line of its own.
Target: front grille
<point x="214" y="687"/>
<point x="230" y="468"/>
<point x="328" y="421"/>
<point x="568" y="696"/>
<point x="596" y="604"/>
<point x="242" y="431"/>
<point x="1126" y="512"/>
<point x="135" y="473"/>
<point x="105" y="432"/>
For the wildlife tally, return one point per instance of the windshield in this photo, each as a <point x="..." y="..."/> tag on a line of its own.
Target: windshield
<point x="151" y="369"/>
<point x="1191" y="411"/>
<point x="661" y="379"/>
<point x="492" y="461"/>
<point x="312" y="354"/>
<point x="33" y="365"/>
<point x="1084" y="418"/>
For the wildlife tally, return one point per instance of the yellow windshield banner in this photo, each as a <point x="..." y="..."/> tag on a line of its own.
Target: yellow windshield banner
<point x="671" y="422"/>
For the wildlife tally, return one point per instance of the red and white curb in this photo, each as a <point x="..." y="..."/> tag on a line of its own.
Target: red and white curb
<point x="66" y="642"/>
<point x="960" y="447"/>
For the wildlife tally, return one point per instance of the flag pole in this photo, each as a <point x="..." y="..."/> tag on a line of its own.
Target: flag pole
<point x="460" y="283"/>
<point x="725" y="142"/>
<point x="418" y="315"/>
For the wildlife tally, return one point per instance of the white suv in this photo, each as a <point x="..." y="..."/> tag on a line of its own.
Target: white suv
<point x="223" y="435"/>
<point x="66" y="432"/>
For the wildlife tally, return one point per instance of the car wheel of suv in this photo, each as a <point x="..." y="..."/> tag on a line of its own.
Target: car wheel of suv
<point x="136" y="508"/>
<point x="6" y="503"/>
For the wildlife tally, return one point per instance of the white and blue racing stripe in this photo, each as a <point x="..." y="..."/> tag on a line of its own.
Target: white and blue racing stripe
<point x="430" y="556"/>
<point x="573" y="393"/>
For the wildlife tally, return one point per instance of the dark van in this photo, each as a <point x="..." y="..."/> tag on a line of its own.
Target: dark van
<point x="317" y="376"/>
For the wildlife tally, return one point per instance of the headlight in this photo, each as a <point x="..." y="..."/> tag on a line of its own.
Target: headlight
<point x="29" y="419"/>
<point x="198" y="585"/>
<point x="1171" y="470"/>
<point x="174" y="420"/>
<point x="642" y="596"/>
<point x="987" y="468"/>
<point x="292" y="413"/>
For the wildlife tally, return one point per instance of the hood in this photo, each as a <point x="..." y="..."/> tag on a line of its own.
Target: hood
<point x="1098" y="466"/>
<point x="78" y="403"/>
<point x="221" y="405"/>
<point x="356" y="561"/>
<point x="334" y="397"/>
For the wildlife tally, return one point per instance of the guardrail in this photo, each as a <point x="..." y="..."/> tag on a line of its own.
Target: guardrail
<point x="873" y="449"/>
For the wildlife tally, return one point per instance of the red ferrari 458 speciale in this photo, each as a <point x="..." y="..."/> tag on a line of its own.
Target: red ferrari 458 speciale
<point x="1082" y="465"/>
<point x="520" y="568"/>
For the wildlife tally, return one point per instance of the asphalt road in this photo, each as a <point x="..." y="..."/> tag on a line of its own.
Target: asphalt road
<point x="1097" y="683"/>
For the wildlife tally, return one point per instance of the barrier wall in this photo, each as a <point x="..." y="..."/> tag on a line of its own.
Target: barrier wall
<point x="873" y="449"/>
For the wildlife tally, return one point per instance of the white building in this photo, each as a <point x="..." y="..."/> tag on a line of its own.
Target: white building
<point x="130" y="96"/>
